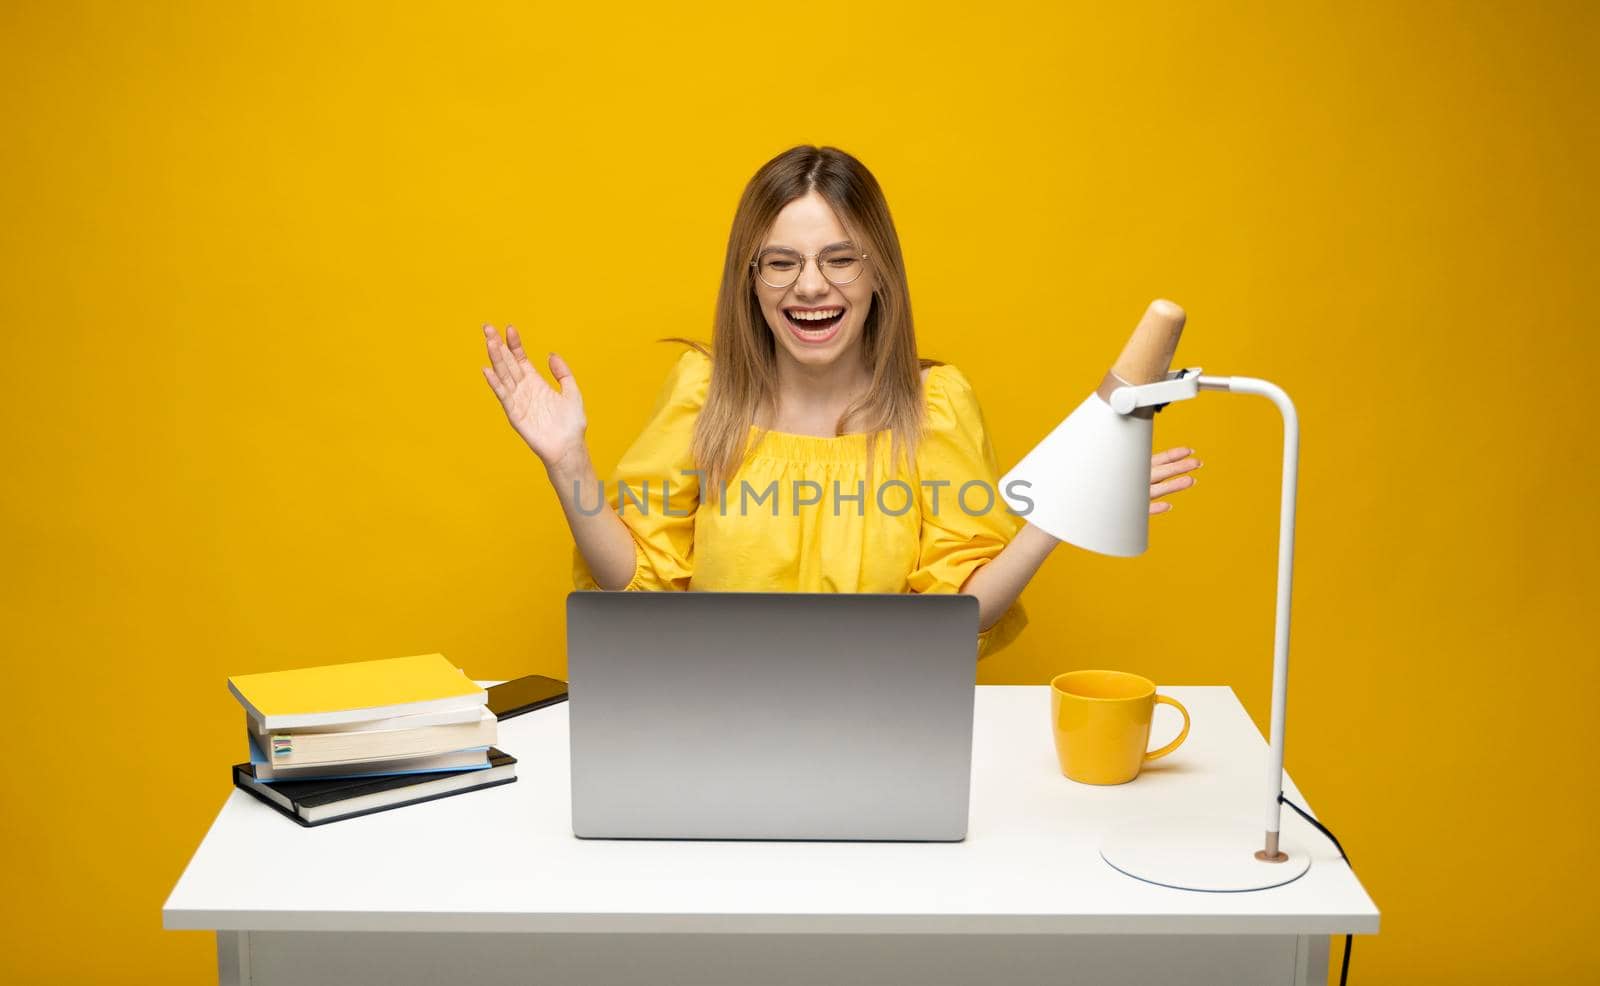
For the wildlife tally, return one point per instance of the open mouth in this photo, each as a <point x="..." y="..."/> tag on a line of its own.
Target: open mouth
<point x="814" y="325"/>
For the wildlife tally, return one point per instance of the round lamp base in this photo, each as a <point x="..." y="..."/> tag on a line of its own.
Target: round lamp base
<point x="1202" y="853"/>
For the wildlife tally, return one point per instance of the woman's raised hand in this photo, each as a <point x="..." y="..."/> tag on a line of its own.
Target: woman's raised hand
<point x="551" y="421"/>
<point x="1169" y="472"/>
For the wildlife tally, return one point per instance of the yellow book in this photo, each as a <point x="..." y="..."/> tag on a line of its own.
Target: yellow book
<point x="341" y="693"/>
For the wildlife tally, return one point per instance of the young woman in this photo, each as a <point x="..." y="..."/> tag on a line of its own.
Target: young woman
<point x="809" y="449"/>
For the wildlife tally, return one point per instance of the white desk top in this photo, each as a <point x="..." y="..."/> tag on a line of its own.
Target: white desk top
<point x="505" y="859"/>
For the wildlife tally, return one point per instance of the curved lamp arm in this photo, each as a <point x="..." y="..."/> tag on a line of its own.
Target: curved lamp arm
<point x="1182" y="385"/>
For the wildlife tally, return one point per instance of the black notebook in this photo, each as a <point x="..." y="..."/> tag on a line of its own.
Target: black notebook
<point x="331" y="799"/>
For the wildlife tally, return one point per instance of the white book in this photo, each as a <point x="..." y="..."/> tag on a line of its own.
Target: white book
<point x="475" y="758"/>
<point x="469" y="712"/>
<point x="298" y="748"/>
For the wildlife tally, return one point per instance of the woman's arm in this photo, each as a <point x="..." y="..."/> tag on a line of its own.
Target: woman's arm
<point x="553" y="423"/>
<point x="602" y="537"/>
<point x="998" y="583"/>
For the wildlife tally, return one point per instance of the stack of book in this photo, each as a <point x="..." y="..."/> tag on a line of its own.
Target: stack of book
<point x="342" y="740"/>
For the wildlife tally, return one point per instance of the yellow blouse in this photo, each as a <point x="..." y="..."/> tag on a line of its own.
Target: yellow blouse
<point x="801" y="515"/>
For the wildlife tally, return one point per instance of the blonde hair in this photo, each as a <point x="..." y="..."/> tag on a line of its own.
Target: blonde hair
<point x="744" y="375"/>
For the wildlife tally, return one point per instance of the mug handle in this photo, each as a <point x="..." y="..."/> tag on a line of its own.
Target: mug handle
<point x="1182" y="734"/>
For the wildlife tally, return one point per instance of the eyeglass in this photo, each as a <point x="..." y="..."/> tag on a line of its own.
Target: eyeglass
<point x="780" y="267"/>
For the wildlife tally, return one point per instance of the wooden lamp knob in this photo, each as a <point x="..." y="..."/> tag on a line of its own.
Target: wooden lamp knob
<point x="1148" y="354"/>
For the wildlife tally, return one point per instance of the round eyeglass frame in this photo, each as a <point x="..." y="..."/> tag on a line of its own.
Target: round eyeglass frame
<point x="755" y="267"/>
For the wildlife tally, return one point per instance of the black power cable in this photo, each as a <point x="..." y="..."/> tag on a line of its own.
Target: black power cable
<point x="1344" y="969"/>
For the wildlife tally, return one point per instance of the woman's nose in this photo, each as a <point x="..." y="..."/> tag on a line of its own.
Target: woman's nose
<point x="811" y="283"/>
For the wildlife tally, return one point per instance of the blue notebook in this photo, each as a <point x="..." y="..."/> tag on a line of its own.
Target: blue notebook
<point x="330" y="800"/>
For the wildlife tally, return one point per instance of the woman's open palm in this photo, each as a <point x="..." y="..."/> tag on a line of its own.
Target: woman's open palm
<point x="1169" y="473"/>
<point x="551" y="421"/>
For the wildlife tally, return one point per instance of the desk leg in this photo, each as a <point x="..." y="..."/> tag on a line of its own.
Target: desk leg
<point x="233" y="958"/>
<point x="1311" y="961"/>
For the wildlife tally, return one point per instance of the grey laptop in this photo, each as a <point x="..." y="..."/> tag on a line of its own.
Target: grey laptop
<point x="733" y="715"/>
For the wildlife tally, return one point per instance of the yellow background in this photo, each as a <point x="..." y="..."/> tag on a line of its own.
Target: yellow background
<point x="245" y="251"/>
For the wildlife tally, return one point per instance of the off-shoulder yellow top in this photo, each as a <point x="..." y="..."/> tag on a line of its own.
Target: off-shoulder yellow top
<point x="801" y="514"/>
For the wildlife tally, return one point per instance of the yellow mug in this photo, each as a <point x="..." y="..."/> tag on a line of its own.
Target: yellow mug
<point x="1101" y="721"/>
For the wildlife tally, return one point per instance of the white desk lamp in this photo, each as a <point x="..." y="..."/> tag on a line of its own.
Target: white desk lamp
<point x="1089" y="483"/>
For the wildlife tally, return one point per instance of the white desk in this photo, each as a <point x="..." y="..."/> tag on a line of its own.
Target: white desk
<point x="494" y="888"/>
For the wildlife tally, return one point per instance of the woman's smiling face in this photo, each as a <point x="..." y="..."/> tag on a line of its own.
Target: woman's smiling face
<point x="809" y="226"/>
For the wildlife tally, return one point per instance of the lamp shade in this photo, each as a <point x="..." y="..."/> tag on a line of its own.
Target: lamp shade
<point x="1088" y="482"/>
